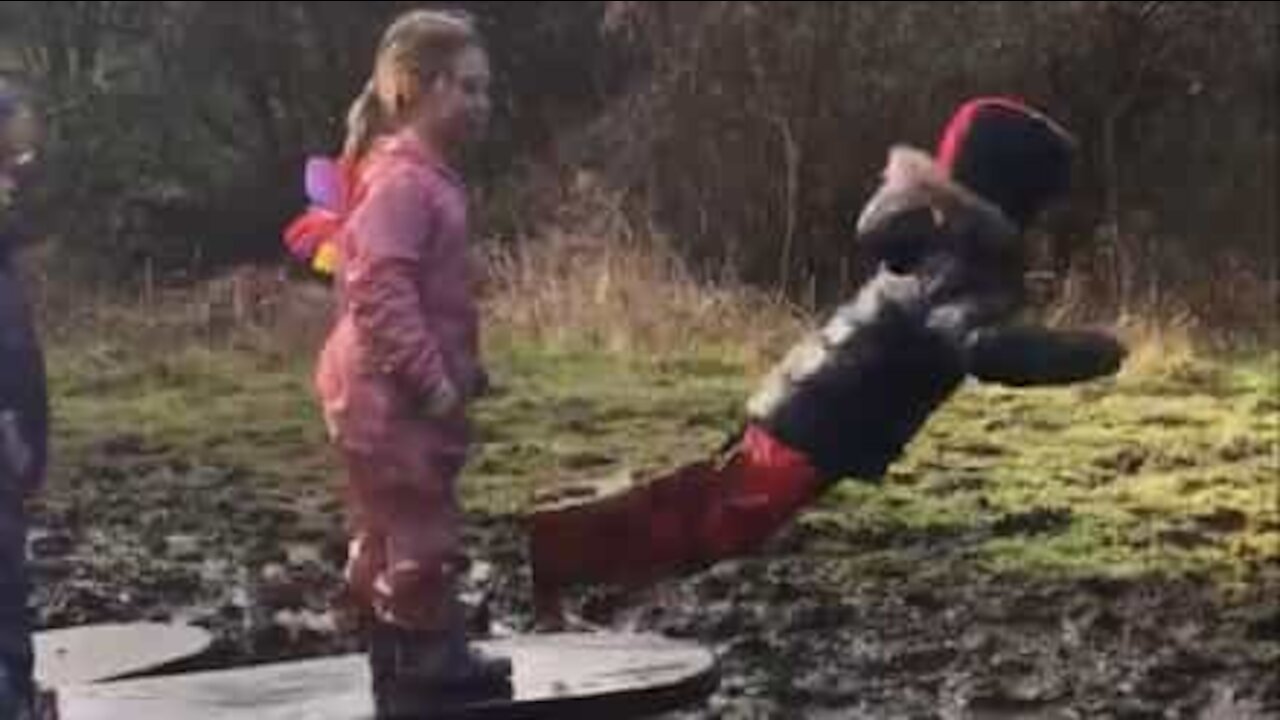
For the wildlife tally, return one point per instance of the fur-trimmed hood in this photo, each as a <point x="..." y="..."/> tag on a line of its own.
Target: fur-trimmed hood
<point x="912" y="180"/>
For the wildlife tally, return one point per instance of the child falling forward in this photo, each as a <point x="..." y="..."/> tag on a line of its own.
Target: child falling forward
<point x="942" y="307"/>
<point x="401" y="363"/>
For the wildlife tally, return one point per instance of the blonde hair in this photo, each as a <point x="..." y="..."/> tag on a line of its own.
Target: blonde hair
<point x="416" y="49"/>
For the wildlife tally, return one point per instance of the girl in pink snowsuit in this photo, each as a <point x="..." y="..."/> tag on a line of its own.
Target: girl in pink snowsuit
<point x="393" y="372"/>
<point x="402" y="360"/>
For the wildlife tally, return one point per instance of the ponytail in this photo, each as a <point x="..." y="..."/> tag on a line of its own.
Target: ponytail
<point x="365" y="121"/>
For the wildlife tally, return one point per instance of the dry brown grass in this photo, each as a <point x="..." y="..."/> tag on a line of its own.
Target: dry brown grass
<point x="1167" y="299"/>
<point x="257" y="308"/>
<point x="586" y="277"/>
<point x="589" y="278"/>
<point x="592" y="293"/>
<point x="563" y="291"/>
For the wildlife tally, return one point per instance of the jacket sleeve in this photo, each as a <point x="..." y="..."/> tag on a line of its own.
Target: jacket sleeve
<point x="1030" y="356"/>
<point x="392" y="233"/>
<point x="24" y="409"/>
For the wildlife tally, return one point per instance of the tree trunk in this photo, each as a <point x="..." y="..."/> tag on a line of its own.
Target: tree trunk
<point x="792" y="158"/>
<point x="1111" y="210"/>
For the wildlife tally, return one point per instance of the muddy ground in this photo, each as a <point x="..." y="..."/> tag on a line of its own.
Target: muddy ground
<point x="809" y="629"/>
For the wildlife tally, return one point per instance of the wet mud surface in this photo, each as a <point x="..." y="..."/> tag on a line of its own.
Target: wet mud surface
<point x="817" y="626"/>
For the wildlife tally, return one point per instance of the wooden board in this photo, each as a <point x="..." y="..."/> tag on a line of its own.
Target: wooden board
<point x="556" y="676"/>
<point x="94" y="653"/>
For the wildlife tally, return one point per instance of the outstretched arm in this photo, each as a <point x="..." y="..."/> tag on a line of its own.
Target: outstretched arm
<point x="1022" y="356"/>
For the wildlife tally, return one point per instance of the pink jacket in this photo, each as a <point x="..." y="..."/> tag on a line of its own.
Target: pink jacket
<point x="407" y="317"/>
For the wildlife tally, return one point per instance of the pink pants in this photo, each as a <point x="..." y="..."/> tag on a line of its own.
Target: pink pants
<point x="405" y="522"/>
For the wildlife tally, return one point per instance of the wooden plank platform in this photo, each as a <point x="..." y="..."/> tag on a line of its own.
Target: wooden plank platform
<point x="556" y="676"/>
<point x="93" y="653"/>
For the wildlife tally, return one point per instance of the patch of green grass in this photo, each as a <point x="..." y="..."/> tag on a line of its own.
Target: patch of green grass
<point x="221" y="408"/>
<point x="1163" y="473"/>
<point x="562" y="416"/>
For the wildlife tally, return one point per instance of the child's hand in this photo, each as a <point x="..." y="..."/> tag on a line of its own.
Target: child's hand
<point x="443" y="401"/>
<point x="480" y="384"/>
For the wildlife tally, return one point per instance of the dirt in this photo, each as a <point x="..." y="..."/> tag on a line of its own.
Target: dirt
<point x="823" y="624"/>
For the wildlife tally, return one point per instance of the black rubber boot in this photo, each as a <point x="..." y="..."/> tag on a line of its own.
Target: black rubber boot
<point x="429" y="674"/>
